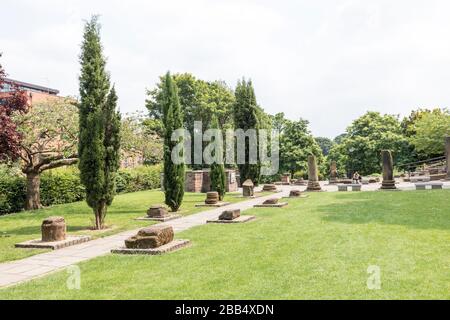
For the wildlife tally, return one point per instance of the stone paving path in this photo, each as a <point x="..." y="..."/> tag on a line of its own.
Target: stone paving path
<point x="12" y="273"/>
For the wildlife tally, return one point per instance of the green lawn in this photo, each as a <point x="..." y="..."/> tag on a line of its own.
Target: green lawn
<point x="79" y="219"/>
<point x="316" y="248"/>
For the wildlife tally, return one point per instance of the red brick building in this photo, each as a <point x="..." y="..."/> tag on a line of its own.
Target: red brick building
<point x="35" y="93"/>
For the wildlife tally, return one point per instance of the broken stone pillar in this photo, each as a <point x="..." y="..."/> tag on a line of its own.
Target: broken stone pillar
<point x="295" y="194"/>
<point x="230" y="215"/>
<point x="286" y="179"/>
<point x="248" y="188"/>
<point x="151" y="238"/>
<point x="313" y="175"/>
<point x="212" y="198"/>
<point x="53" y="229"/>
<point x="157" y="211"/>
<point x="388" y="171"/>
<point x="447" y="153"/>
<point x="333" y="173"/>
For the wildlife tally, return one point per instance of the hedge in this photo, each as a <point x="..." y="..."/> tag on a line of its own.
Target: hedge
<point x="63" y="185"/>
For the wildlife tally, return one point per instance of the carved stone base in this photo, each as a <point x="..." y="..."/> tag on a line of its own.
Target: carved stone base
<point x="314" y="186"/>
<point x="39" y="244"/>
<point x="388" y="185"/>
<point x="216" y="205"/>
<point x="170" y="247"/>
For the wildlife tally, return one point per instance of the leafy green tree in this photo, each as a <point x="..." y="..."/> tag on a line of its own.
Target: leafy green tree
<point x="49" y="132"/>
<point x="339" y="138"/>
<point x="279" y="122"/>
<point x="199" y="100"/>
<point x="430" y="129"/>
<point x="139" y="140"/>
<point x="325" y="144"/>
<point x="174" y="174"/>
<point x="217" y="173"/>
<point x="247" y="116"/>
<point x="366" y="137"/>
<point x="296" y="143"/>
<point x="99" y="126"/>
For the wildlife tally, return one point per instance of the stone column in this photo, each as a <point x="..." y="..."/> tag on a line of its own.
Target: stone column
<point x="313" y="175"/>
<point x="388" y="171"/>
<point x="333" y="172"/>
<point x="447" y="153"/>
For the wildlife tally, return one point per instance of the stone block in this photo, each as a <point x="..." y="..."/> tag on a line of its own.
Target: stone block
<point x="230" y="214"/>
<point x="157" y="211"/>
<point x="53" y="229"/>
<point x="212" y="198"/>
<point x="150" y="238"/>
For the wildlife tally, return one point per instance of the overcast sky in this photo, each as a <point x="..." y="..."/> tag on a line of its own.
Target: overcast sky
<point x="325" y="61"/>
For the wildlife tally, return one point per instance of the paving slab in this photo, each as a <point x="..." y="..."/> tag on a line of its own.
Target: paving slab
<point x="241" y="219"/>
<point x="175" y="245"/>
<point x="56" y="245"/>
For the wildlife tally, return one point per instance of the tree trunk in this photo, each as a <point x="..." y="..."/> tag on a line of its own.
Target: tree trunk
<point x="33" y="199"/>
<point x="100" y="214"/>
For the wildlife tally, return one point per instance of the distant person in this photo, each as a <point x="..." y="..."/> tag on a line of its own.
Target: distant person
<point x="356" y="177"/>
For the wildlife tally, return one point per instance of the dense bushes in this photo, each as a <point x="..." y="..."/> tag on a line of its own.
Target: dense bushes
<point x="12" y="192"/>
<point x="138" y="179"/>
<point x="63" y="185"/>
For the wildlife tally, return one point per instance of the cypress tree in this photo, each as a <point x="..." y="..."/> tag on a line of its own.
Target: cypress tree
<point x="246" y="116"/>
<point x="217" y="169"/>
<point x="174" y="174"/>
<point x="99" y="134"/>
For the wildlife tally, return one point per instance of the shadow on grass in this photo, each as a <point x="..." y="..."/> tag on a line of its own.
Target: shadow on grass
<point x="30" y="230"/>
<point x="412" y="209"/>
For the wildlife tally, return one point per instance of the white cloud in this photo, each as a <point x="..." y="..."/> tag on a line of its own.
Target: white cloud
<point x="326" y="61"/>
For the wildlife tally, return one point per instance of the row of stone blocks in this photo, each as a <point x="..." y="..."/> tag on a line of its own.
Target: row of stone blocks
<point x="155" y="240"/>
<point x="160" y="239"/>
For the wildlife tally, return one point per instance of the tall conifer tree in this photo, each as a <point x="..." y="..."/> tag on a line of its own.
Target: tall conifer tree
<point x="99" y="134"/>
<point x="217" y="170"/>
<point x="246" y="116"/>
<point x="174" y="174"/>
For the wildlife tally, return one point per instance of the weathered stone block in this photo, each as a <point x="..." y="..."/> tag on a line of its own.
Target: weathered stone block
<point x="271" y="201"/>
<point x="295" y="193"/>
<point x="230" y="214"/>
<point x="248" y="188"/>
<point x="53" y="229"/>
<point x="150" y="238"/>
<point x="157" y="211"/>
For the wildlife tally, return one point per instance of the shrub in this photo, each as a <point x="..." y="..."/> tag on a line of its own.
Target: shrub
<point x="139" y="179"/>
<point x="12" y="193"/>
<point x="63" y="185"/>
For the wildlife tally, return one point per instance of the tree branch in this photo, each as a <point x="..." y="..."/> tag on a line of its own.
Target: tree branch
<point x="48" y="161"/>
<point x="58" y="163"/>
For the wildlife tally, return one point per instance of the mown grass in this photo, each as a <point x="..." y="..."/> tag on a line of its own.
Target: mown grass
<point x="316" y="248"/>
<point x="25" y="226"/>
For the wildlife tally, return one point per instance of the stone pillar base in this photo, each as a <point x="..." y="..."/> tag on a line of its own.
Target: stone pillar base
<point x="388" y="185"/>
<point x="314" y="186"/>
